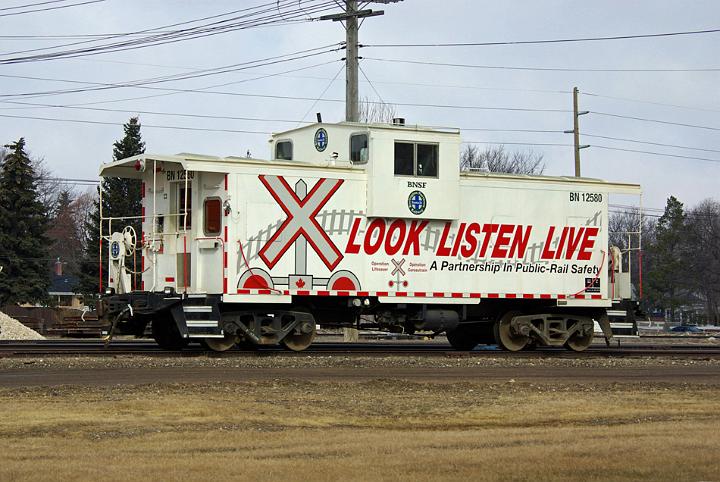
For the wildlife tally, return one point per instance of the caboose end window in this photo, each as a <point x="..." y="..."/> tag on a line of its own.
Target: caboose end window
<point x="213" y="216"/>
<point x="284" y="150"/>
<point x="359" y="148"/>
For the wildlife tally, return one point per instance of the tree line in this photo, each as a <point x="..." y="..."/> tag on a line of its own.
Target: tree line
<point x="680" y="259"/>
<point x="42" y="222"/>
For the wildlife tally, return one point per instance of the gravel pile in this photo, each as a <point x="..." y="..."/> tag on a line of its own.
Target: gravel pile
<point x="11" y="329"/>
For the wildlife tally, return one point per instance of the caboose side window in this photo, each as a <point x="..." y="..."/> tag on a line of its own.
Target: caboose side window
<point x="182" y="209"/>
<point x="284" y="150"/>
<point x="404" y="158"/>
<point x="416" y="159"/>
<point x="427" y="160"/>
<point x="213" y="216"/>
<point x="359" y="148"/>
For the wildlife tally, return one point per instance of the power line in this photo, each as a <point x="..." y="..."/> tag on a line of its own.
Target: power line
<point x="549" y="144"/>
<point x="321" y="94"/>
<point x="649" y="102"/>
<point x="371" y="84"/>
<point x="650" y="215"/>
<point x="541" y="69"/>
<point x="635" y="141"/>
<point x="28" y="5"/>
<point x="143" y="83"/>
<point x="286" y="97"/>
<point x="483" y="129"/>
<point x="255" y="119"/>
<point x="226" y="25"/>
<point x="45" y="9"/>
<point x="550" y="41"/>
<point x="159" y="113"/>
<point x="546" y="144"/>
<point x="199" y="89"/>
<point x="388" y="82"/>
<point x="63" y="180"/>
<point x="656" y="121"/>
<point x="159" y="30"/>
<point x="80" y="121"/>
<point x="655" y="153"/>
<point x="163" y="34"/>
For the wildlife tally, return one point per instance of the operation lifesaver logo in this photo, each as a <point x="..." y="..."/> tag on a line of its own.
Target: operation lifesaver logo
<point x="321" y="139"/>
<point x="417" y="202"/>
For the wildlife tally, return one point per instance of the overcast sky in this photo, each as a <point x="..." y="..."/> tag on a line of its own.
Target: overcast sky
<point x="76" y="149"/>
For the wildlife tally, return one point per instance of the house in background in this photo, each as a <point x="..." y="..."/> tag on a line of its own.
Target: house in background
<point x="61" y="289"/>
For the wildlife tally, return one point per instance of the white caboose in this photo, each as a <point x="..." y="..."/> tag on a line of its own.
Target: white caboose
<point x="360" y="225"/>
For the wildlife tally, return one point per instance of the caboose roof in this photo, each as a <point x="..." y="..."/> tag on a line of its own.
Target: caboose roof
<point x="356" y="126"/>
<point x="125" y="168"/>
<point x="196" y="162"/>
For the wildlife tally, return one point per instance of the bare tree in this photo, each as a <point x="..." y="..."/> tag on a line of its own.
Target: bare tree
<point x="47" y="184"/>
<point x="67" y="228"/>
<point x="703" y="255"/>
<point x="83" y="209"/>
<point x="497" y="159"/>
<point x="373" y="112"/>
<point x="629" y="230"/>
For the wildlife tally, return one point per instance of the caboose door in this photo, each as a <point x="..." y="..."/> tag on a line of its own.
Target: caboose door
<point x="210" y="234"/>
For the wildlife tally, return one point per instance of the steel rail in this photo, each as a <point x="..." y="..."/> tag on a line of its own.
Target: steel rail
<point x="34" y="348"/>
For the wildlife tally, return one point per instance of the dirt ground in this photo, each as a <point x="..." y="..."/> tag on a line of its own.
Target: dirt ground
<point x="386" y="426"/>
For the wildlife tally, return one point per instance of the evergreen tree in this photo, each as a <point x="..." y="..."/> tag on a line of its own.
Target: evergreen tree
<point x="23" y="222"/>
<point x="120" y="197"/>
<point x="667" y="279"/>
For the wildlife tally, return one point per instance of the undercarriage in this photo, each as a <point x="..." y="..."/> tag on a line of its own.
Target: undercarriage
<point x="176" y="320"/>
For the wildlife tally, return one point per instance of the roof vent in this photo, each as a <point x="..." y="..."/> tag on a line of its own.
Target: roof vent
<point x="398" y="121"/>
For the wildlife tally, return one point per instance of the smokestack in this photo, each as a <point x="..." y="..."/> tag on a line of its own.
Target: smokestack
<point x="58" y="267"/>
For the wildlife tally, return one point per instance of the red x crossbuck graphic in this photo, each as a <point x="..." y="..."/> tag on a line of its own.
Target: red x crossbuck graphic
<point x="300" y="220"/>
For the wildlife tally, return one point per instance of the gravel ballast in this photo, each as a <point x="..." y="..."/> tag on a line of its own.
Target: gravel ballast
<point x="12" y="329"/>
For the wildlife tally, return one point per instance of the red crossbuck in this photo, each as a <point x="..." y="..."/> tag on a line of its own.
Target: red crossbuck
<point x="301" y="220"/>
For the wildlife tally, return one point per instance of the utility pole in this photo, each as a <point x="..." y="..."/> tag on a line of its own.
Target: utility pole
<point x="350" y="17"/>
<point x="576" y="131"/>
<point x="351" y="62"/>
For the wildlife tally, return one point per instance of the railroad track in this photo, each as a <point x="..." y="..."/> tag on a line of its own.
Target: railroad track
<point x="37" y="348"/>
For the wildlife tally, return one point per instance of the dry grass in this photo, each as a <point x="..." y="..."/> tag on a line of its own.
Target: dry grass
<point x="384" y="430"/>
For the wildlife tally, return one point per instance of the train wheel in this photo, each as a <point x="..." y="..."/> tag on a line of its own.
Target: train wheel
<point x="579" y="342"/>
<point x="166" y="334"/>
<point x="221" y="344"/>
<point x="461" y="340"/>
<point x="531" y="345"/>
<point x="300" y="338"/>
<point x="505" y="336"/>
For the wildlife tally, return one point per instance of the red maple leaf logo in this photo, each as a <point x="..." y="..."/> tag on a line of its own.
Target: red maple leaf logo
<point x="300" y="283"/>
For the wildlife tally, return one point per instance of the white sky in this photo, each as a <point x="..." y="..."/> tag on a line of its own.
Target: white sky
<point x="76" y="150"/>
